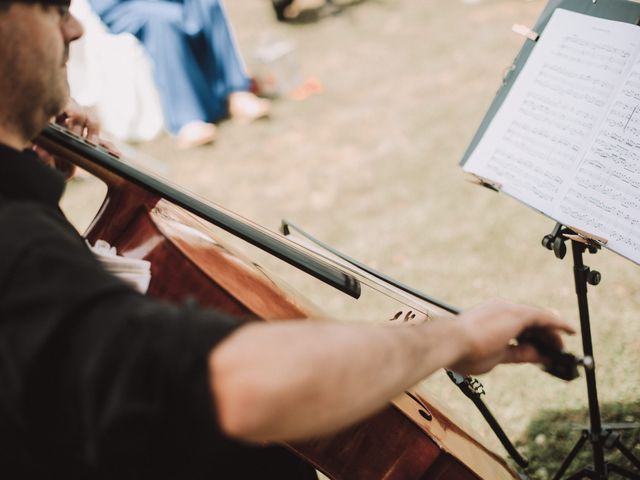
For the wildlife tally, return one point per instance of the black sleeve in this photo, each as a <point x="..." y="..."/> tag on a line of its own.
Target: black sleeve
<point x="99" y="376"/>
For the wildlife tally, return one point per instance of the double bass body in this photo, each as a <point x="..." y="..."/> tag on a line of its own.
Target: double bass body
<point x="412" y="438"/>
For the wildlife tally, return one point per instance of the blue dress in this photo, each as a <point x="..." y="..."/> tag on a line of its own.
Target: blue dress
<point x="196" y="61"/>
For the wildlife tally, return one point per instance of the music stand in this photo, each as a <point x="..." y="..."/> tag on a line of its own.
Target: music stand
<point x="600" y="436"/>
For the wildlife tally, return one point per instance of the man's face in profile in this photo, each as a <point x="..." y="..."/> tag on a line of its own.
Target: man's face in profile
<point x="34" y="46"/>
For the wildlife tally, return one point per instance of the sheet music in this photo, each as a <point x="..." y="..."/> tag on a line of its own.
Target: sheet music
<point x="604" y="195"/>
<point x="537" y="146"/>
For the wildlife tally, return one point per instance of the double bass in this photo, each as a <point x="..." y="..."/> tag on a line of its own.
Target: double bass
<point x="146" y="218"/>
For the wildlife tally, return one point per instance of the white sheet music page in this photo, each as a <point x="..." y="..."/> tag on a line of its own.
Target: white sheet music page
<point x="604" y="195"/>
<point x="565" y="140"/>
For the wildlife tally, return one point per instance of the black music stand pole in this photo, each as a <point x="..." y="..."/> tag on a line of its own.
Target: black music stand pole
<point x="599" y="437"/>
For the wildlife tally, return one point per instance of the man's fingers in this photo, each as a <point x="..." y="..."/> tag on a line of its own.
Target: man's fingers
<point x="93" y="128"/>
<point x="535" y="348"/>
<point x="523" y="353"/>
<point x="80" y="121"/>
<point x="75" y="125"/>
<point x="536" y="317"/>
<point x="558" y="324"/>
<point x="541" y="337"/>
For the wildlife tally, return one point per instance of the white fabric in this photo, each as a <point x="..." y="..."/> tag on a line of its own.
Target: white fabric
<point x="113" y="75"/>
<point x="134" y="271"/>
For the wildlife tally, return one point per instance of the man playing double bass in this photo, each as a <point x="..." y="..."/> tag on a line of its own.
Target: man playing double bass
<point x="98" y="381"/>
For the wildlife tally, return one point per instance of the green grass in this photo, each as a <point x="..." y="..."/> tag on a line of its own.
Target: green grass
<point x="552" y="434"/>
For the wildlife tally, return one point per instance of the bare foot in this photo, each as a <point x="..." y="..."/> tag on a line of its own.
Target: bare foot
<point x="245" y="107"/>
<point x="195" y="134"/>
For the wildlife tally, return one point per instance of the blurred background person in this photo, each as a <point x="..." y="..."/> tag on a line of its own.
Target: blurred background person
<point x="113" y="76"/>
<point x="195" y="63"/>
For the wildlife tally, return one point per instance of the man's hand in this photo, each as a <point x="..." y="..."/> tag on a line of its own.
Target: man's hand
<point x="491" y="330"/>
<point x="80" y="121"/>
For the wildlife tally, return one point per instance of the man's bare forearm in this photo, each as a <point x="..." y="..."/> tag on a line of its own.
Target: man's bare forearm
<point x="295" y="379"/>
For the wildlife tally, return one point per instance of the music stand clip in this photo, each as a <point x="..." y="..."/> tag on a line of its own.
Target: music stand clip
<point x="485" y="182"/>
